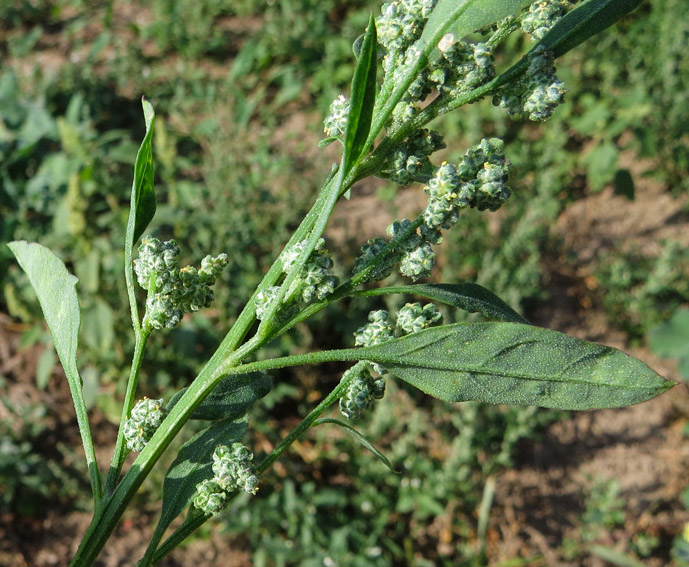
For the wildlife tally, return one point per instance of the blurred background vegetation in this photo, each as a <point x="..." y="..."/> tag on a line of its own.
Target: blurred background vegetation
<point x="240" y="88"/>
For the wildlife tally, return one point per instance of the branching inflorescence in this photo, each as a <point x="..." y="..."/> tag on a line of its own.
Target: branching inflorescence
<point x="382" y="128"/>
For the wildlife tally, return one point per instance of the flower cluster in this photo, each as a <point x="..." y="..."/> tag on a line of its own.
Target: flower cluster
<point x="479" y="180"/>
<point x="172" y="290"/>
<point x="232" y="471"/>
<point x="542" y="16"/>
<point x="537" y="93"/>
<point x="314" y="282"/>
<point x="363" y="389"/>
<point x="365" y="381"/>
<point x="410" y="161"/>
<point x="378" y="329"/>
<point x="462" y="66"/>
<point x="400" y="24"/>
<point x="413" y="317"/>
<point x="145" y="417"/>
<point x="336" y="122"/>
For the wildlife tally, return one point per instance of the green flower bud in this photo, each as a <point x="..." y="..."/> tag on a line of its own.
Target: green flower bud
<point x="412" y="317"/>
<point x="210" y="497"/>
<point x="144" y="418"/>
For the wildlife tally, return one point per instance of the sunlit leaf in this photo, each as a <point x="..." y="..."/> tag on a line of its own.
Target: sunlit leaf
<point x="511" y="363"/>
<point x="363" y="98"/>
<point x="143" y="199"/>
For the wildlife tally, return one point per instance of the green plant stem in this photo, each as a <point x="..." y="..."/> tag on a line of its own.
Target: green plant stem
<point x="346" y="288"/>
<point x="120" y="452"/>
<point x="104" y="523"/>
<point x="190" y="525"/>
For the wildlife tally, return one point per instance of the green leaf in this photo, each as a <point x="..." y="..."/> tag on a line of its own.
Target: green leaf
<point x="462" y="17"/>
<point x="192" y="466"/>
<point x="363" y="98"/>
<point x="56" y="292"/>
<point x="585" y="21"/>
<point x="143" y="199"/>
<point x="359" y="437"/>
<point x="511" y="363"/>
<point x="231" y="398"/>
<point x="467" y="296"/>
<point x="55" y="288"/>
<point x="614" y="557"/>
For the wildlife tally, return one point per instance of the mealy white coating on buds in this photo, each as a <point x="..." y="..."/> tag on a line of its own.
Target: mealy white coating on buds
<point x="537" y="93"/>
<point x="144" y="418"/>
<point x="335" y="123"/>
<point x="363" y="389"/>
<point x="462" y="66"/>
<point x="173" y="291"/>
<point x="264" y="299"/>
<point x="233" y="469"/>
<point x="542" y="16"/>
<point x="400" y="24"/>
<point x="413" y="317"/>
<point x="232" y="472"/>
<point x="378" y="330"/>
<point x="419" y="262"/>
<point x="369" y="252"/>
<point x="410" y="161"/>
<point x="316" y="280"/>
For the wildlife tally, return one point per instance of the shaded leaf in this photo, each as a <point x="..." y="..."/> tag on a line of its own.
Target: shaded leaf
<point x="359" y="437"/>
<point x="192" y="466"/>
<point x="231" y="398"/>
<point x="511" y="363"/>
<point x="363" y="98"/>
<point x="467" y="296"/>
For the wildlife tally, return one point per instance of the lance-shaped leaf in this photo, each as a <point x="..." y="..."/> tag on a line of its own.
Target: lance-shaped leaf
<point x="511" y="363"/>
<point x="359" y="437"/>
<point x="585" y="21"/>
<point x="462" y="17"/>
<point x="55" y="288"/>
<point x="231" y="398"/>
<point x="363" y="98"/>
<point x="143" y="199"/>
<point x="193" y="465"/>
<point x="467" y="296"/>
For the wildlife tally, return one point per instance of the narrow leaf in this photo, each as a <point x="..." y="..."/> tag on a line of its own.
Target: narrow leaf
<point x="55" y="288"/>
<point x="192" y="466"/>
<point x="462" y="17"/>
<point x="585" y="21"/>
<point x="359" y="437"/>
<point x="143" y="199"/>
<point x="511" y="363"/>
<point x="363" y="98"/>
<point x="467" y="296"/>
<point x="56" y="292"/>
<point x="231" y="398"/>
